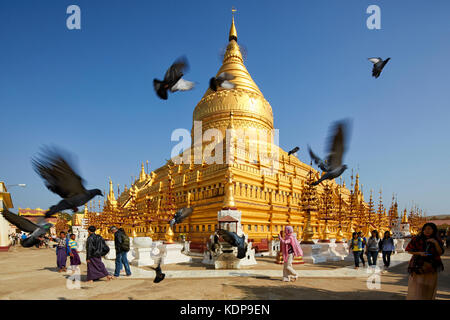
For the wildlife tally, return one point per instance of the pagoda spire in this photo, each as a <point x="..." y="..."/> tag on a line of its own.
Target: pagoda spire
<point x="111" y="198"/>
<point x="233" y="32"/>
<point x="233" y="63"/>
<point x="142" y="175"/>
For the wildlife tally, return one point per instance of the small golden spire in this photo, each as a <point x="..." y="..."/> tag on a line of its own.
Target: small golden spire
<point x="233" y="32"/>
<point x="111" y="196"/>
<point x="405" y="217"/>
<point x="142" y="175"/>
<point x="228" y="201"/>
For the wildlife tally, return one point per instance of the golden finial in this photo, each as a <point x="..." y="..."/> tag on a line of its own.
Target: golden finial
<point x="233" y="33"/>
<point x="405" y="217"/>
<point x="228" y="201"/>
<point x="142" y="175"/>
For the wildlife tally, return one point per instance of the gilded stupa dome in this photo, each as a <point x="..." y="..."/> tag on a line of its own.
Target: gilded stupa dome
<point x="245" y="101"/>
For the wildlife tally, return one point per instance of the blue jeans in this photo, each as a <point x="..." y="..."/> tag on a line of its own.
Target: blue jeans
<point x="372" y="257"/>
<point x="121" y="258"/>
<point x="387" y="258"/>
<point x="357" y="256"/>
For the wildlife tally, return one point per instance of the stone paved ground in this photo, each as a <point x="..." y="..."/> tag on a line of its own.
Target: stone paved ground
<point x="31" y="274"/>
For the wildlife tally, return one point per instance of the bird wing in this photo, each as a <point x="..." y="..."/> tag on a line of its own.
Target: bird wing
<point x="58" y="174"/>
<point x="159" y="89"/>
<point x="176" y="70"/>
<point x="225" y="76"/>
<point x="227" y="85"/>
<point x="20" y="222"/>
<point x="185" y="212"/>
<point x="319" y="162"/>
<point x="336" y="144"/>
<point x="375" y="60"/>
<point x="227" y="236"/>
<point x="182" y="85"/>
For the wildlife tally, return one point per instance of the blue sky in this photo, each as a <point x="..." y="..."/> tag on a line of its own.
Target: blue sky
<point x="90" y="90"/>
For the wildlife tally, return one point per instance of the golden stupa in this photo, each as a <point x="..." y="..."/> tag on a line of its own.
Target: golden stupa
<point x="268" y="202"/>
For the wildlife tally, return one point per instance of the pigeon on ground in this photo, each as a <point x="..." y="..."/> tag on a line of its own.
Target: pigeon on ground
<point x="173" y="80"/>
<point x="234" y="240"/>
<point x="37" y="231"/>
<point x="333" y="166"/>
<point x="60" y="178"/>
<point x="378" y="65"/>
<point x="222" y="80"/>
<point x="180" y="215"/>
<point x="293" y="151"/>
<point x="159" y="275"/>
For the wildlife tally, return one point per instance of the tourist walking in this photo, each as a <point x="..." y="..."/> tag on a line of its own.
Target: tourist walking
<point x="425" y="263"/>
<point x="363" y="239"/>
<point x="290" y="248"/>
<point x="386" y="248"/>
<point x="122" y="245"/>
<point x="96" y="248"/>
<point x="74" y="257"/>
<point x="356" y="247"/>
<point x="62" y="251"/>
<point x="372" y="248"/>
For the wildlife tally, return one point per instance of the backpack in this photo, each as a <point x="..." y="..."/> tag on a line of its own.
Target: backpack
<point x="125" y="245"/>
<point x="102" y="248"/>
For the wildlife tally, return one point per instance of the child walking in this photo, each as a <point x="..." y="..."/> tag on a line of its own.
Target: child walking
<point x="74" y="257"/>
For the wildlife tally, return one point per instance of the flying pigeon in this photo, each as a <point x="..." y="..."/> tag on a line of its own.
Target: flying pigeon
<point x="293" y="151"/>
<point x="60" y="178"/>
<point x="233" y="239"/>
<point x="222" y="80"/>
<point x="378" y="65"/>
<point x="173" y="80"/>
<point x="180" y="215"/>
<point x="333" y="166"/>
<point x="37" y="230"/>
<point x="159" y="275"/>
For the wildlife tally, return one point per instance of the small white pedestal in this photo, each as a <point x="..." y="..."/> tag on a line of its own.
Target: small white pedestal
<point x="328" y="250"/>
<point x="174" y="255"/>
<point x="399" y="245"/>
<point x="341" y="249"/>
<point x="112" y="251"/>
<point x="311" y="253"/>
<point x="81" y="245"/>
<point x="142" y="247"/>
<point x="274" y="248"/>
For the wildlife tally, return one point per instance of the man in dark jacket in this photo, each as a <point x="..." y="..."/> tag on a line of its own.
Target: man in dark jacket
<point x="121" y="242"/>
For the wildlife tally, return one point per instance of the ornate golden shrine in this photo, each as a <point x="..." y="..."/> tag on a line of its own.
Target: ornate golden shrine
<point x="268" y="202"/>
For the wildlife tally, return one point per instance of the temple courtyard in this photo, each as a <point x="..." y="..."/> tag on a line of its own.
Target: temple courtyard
<point x="32" y="274"/>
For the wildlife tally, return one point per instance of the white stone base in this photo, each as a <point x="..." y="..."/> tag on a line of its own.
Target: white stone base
<point x="142" y="257"/>
<point x="399" y="245"/>
<point x="81" y="245"/>
<point x="311" y="253"/>
<point x="173" y="254"/>
<point x="249" y="259"/>
<point x="341" y="249"/>
<point x="112" y="251"/>
<point x="328" y="250"/>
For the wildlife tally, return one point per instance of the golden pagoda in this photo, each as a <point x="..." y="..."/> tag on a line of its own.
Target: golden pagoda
<point x="268" y="198"/>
